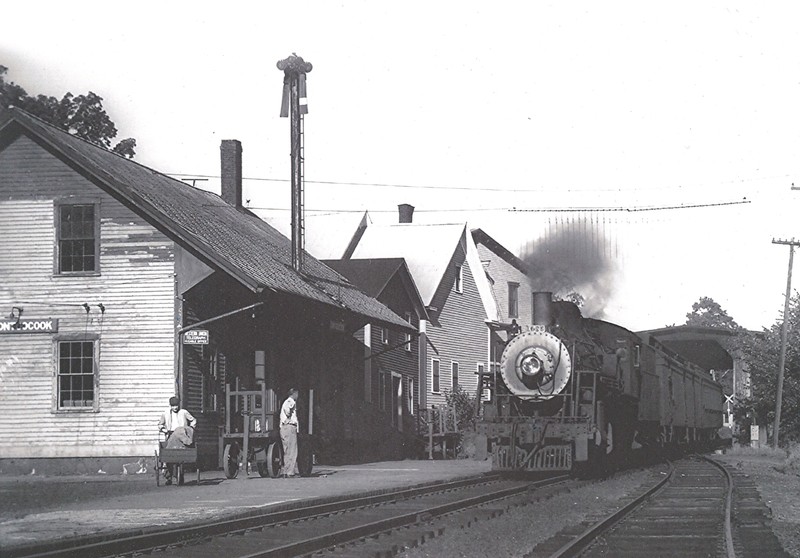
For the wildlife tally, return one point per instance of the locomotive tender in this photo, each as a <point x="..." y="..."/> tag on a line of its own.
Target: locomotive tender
<point x="578" y="394"/>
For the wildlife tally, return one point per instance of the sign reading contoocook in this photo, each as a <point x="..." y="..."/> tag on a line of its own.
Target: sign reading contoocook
<point x="48" y="325"/>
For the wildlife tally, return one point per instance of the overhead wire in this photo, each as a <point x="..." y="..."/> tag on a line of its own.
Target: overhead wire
<point x="190" y="176"/>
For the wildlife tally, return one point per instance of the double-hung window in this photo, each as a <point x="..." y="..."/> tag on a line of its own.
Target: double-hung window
<point x="77" y="235"/>
<point x="513" y="300"/>
<point x="435" y="376"/>
<point x="458" y="284"/>
<point x="76" y="374"/>
<point x="408" y="335"/>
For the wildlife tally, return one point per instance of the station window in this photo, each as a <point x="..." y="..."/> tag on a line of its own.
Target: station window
<point x="210" y="385"/>
<point x="77" y="231"/>
<point x="435" y="374"/>
<point x="76" y="375"/>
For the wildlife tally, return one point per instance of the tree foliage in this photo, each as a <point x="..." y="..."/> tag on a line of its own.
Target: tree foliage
<point x="708" y="313"/>
<point x="82" y="115"/>
<point x="761" y="353"/>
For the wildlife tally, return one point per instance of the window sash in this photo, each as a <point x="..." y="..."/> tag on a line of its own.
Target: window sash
<point x="76" y="375"/>
<point x="435" y="376"/>
<point x="408" y="335"/>
<point x="454" y="375"/>
<point x="77" y="233"/>
<point x="513" y="300"/>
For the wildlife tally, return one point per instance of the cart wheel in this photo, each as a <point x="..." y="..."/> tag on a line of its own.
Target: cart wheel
<point x="157" y="469"/>
<point x="260" y="457"/>
<point x="179" y="473"/>
<point x="274" y="459"/>
<point x="305" y="460"/>
<point x="230" y="460"/>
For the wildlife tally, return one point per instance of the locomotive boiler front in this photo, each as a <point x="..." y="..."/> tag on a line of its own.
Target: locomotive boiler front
<point x="535" y="365"/>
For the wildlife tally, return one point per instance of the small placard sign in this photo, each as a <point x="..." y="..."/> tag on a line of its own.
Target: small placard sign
<point x="196" y="337"/>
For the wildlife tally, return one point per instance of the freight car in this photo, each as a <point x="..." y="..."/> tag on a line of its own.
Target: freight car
<point x="578" y="394"/>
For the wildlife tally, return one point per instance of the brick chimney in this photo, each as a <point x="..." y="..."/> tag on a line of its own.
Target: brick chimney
<point x="406" y="212"/>
<point x="230" y="152"/>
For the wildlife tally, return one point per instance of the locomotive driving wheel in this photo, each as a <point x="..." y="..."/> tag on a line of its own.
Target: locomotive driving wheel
<point x="230" y="460"/>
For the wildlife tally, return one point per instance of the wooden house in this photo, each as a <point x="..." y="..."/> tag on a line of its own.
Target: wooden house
<point x="392" y="361"/>
<point x="446" y="268"/>
<point x="512" y="290"/>
<point x="105" y="264"/>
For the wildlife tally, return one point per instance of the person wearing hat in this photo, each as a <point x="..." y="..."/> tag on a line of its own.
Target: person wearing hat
<point x="172" y="419"/>
<point x="289" y="427"/>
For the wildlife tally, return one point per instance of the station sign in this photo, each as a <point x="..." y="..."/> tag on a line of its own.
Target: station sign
<point x="47" y="325"/>
<point x="196" y="337"/>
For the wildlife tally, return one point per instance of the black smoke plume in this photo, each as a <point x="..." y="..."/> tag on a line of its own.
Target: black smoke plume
<point x="574" y="259"/>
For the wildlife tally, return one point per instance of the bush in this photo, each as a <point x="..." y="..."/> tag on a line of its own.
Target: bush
<point x="792" y="463"/>
<point x="466" y="416"/>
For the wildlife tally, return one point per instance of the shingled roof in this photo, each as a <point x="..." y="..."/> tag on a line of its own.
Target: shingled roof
<point x="234" y="241"/>
<point x="373" y="276"/>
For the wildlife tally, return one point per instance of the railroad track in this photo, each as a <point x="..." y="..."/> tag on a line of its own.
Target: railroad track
<point x="698" y="509"/>
<point x="307" y="530"/>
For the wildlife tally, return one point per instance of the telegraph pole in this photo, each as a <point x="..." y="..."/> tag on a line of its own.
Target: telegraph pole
<point x="782" y="362"/>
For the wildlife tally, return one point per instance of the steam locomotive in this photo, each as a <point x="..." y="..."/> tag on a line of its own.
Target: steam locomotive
<point x="578" y="394"/>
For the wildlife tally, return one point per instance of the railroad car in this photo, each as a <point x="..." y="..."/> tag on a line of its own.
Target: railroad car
<point x="579" y="394"/>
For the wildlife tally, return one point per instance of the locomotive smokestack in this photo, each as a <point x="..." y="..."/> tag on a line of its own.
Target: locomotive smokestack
<point x="543" y="308"/>
<point x="406" y="212"/>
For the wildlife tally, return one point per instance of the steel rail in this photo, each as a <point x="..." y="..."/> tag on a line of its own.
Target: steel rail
<point x="110" y="545"/>
<point x="577" y="544"/>
<point x="354" y="533"/>
<point x="728" y="507"/>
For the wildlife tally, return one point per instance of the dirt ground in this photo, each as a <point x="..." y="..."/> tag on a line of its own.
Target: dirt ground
<point x="778" y="481"/>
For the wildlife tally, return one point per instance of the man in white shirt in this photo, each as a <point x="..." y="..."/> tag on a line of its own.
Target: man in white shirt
<point x="173" y="419"/>
<point x="289" y="427"/>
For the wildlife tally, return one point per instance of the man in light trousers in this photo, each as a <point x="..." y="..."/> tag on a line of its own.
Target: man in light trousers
<point x="289" y="427"/>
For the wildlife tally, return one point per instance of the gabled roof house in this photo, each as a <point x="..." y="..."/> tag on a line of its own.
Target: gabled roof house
<point x="444" y="264"/>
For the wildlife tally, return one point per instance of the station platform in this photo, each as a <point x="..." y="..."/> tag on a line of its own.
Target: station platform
<point x="39" y="510"/>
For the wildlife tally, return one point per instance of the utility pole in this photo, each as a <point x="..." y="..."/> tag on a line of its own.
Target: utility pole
<point x="782" y="362"/>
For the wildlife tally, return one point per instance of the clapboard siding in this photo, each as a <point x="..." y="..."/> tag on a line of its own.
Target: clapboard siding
<point x="503" y="273"/>
<point x="459" y="332"/>
<point x="135" y="354"/>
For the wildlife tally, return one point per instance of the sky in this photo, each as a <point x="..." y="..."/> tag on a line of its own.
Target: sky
<point x="503" y="115"/>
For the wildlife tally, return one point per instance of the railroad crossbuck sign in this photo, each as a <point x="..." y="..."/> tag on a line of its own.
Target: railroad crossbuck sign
<point x="196" y="337"/>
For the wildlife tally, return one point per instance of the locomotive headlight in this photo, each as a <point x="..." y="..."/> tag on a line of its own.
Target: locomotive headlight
<point x="531" y="365"/>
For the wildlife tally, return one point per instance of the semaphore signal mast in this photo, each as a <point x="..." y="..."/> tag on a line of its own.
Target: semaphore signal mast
<point x="294" y="91"/>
